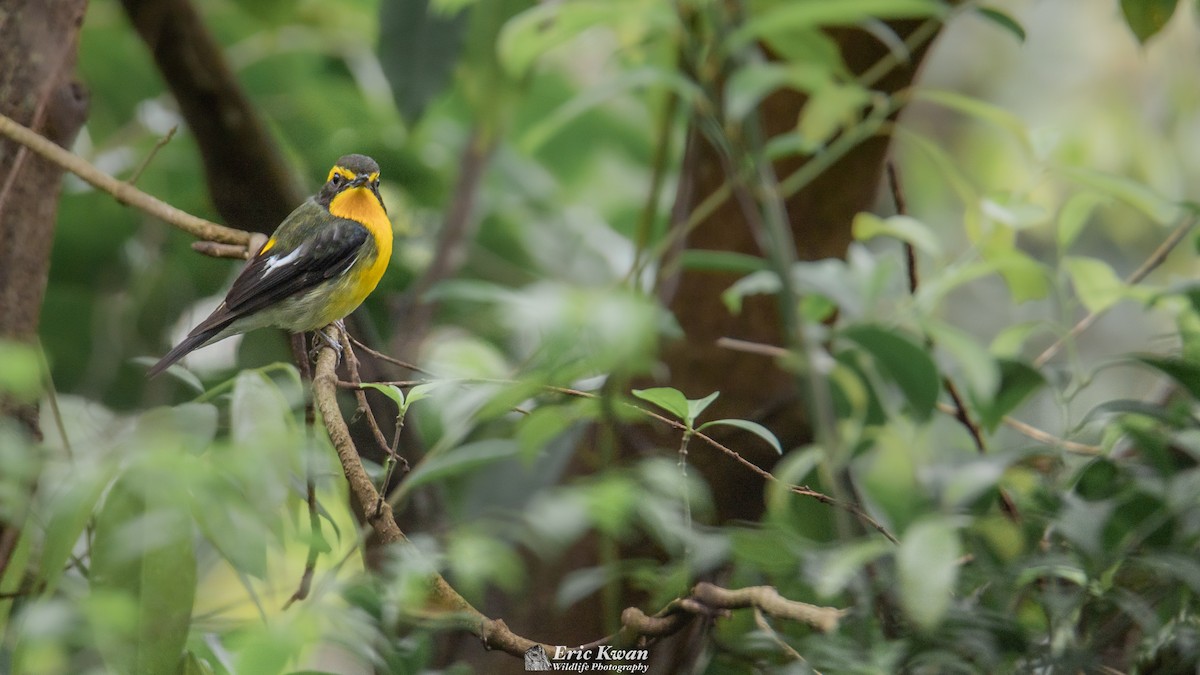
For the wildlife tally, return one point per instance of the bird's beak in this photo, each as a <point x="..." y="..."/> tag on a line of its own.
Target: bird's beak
<point x="360" y="180"/>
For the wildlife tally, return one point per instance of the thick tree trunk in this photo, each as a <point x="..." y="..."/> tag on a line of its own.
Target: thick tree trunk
<point x="38" y="46"/>
<point x="752" y="386"/>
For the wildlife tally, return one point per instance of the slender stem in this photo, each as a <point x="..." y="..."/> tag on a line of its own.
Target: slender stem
<point x="122" y="191"/>
<point x="162" y="142"/>
<point x="1183" y="226"/>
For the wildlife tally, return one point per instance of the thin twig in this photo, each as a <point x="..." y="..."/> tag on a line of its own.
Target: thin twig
<point x="137" y="173"/>
<point x="122" y="191"/>
<point x="300" y="354"/>
<point x="910" y="251"/>
<point x="216" y="250"/>
<point x="1030" y="431"/>
<point x="389" y="359"/>
<point x="364" y="408"/>
<point x="960" y="408"/>
<point x="1156" y="258"/>
<point x="760" y="620"/>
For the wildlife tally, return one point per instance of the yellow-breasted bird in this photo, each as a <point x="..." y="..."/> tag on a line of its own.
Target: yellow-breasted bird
<point x="320" y="264"/>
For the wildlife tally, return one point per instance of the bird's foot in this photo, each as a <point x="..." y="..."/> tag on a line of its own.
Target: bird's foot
<point x="322" y="339"/>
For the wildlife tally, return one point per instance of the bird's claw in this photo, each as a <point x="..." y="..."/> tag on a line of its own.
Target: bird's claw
<point x="335" y="344"/>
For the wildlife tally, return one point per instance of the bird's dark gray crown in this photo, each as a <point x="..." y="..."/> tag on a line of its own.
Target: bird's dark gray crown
<point x="359" y="164"/>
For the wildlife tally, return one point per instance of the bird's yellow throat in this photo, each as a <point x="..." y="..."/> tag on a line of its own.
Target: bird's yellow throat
<point x="360" y="205"/>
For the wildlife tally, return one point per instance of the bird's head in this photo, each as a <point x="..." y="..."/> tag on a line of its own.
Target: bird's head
<point x="353" y="177"/>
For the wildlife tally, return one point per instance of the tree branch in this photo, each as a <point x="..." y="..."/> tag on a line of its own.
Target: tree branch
<point x="1156" y="258"/>
<point x="120" y="190"/>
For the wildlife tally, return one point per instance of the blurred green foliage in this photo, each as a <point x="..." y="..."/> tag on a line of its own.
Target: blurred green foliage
<point x="167" y="539"/>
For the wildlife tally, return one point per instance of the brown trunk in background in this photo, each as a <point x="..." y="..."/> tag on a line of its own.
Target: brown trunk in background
<point x="251" y="184"/>
<point x="39" y="42"/>
<point x="38" y="46"/>
<point x="754" y="387"/>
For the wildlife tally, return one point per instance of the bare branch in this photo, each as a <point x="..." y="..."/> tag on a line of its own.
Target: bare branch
<point x="1156" y="258"/>
<point x="122" y="191"/>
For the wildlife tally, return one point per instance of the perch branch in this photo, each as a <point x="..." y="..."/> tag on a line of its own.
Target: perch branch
<point x="122" y="191"/>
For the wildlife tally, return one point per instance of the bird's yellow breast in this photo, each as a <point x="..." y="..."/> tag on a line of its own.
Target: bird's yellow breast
<point x="362" y="206"/>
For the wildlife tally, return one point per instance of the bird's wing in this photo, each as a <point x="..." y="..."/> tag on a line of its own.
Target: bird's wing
<point x="288" y="268"/>
<point x="283" y="271"/>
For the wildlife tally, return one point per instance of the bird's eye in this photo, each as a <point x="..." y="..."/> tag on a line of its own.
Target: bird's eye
<point x="336" y="179"/>
<point x="375" y="183"/>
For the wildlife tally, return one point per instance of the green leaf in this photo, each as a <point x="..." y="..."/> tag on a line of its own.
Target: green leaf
<point x="750" y="84"/>
<point x="838" y="568"/>
<point x="696" y="407"/>
<point x="194" y="665"/>
<point x="764" y="282"/>
<point x="1146" y="18"/>
<point x="671" y="400"/>
<point x="645" y="78"/>
<point x="419" y="48"/>
<point x="982" y="111"/>
<point x="746" y="425"/>
<point x="1012" y="213"/>
<point x="1096" y="284"/>
<point x="232" y="524"/>
<point x="951" y="172"/>
<point x="1100" y="479"/>
<point x="1004" y="21"/>
<point x="907" y="364"/>
<point x="783" y="18"/>
<point x="868" y="226"/>
<point x="888" y="475"/>
<point x="1185" y="373"/>
<point x="794" y="468"/>
<point x="20" y="370"/>
<point x="829" y="110"/>
<point x="1010" y="341"/>
<point x="421" y="391"/>
<point x="258" y="410"/>
<point x="390" y="390"/>
<point x="461" y="460"/>
<point x="70" y="510"/>
<point x="975" y="364"/>
<point x="1075" y="215"/>
<point x="927" y="565"/>
<point x="542" y="425"/>
<point x="532" y="33"/>
<point x="143" y="552"/>
<point x="1017" y="382"/>
<point x="192" y="426"/>
<point x="721" y="261"/>
<point x="1025" y="277"/>
<point x="1156" y="207"/>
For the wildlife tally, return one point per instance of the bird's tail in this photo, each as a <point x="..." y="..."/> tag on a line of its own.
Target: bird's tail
<point x="192" y="341"/>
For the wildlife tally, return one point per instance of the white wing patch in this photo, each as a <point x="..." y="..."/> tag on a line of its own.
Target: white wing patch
<point x="274" y="263"/>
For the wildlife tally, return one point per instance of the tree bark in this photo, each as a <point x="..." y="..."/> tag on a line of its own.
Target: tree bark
<point x="753" y="386"/>
<point x="39" y="41"/>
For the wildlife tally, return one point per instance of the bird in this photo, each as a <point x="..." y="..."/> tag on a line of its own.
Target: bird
<point x="318" y="266"/>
